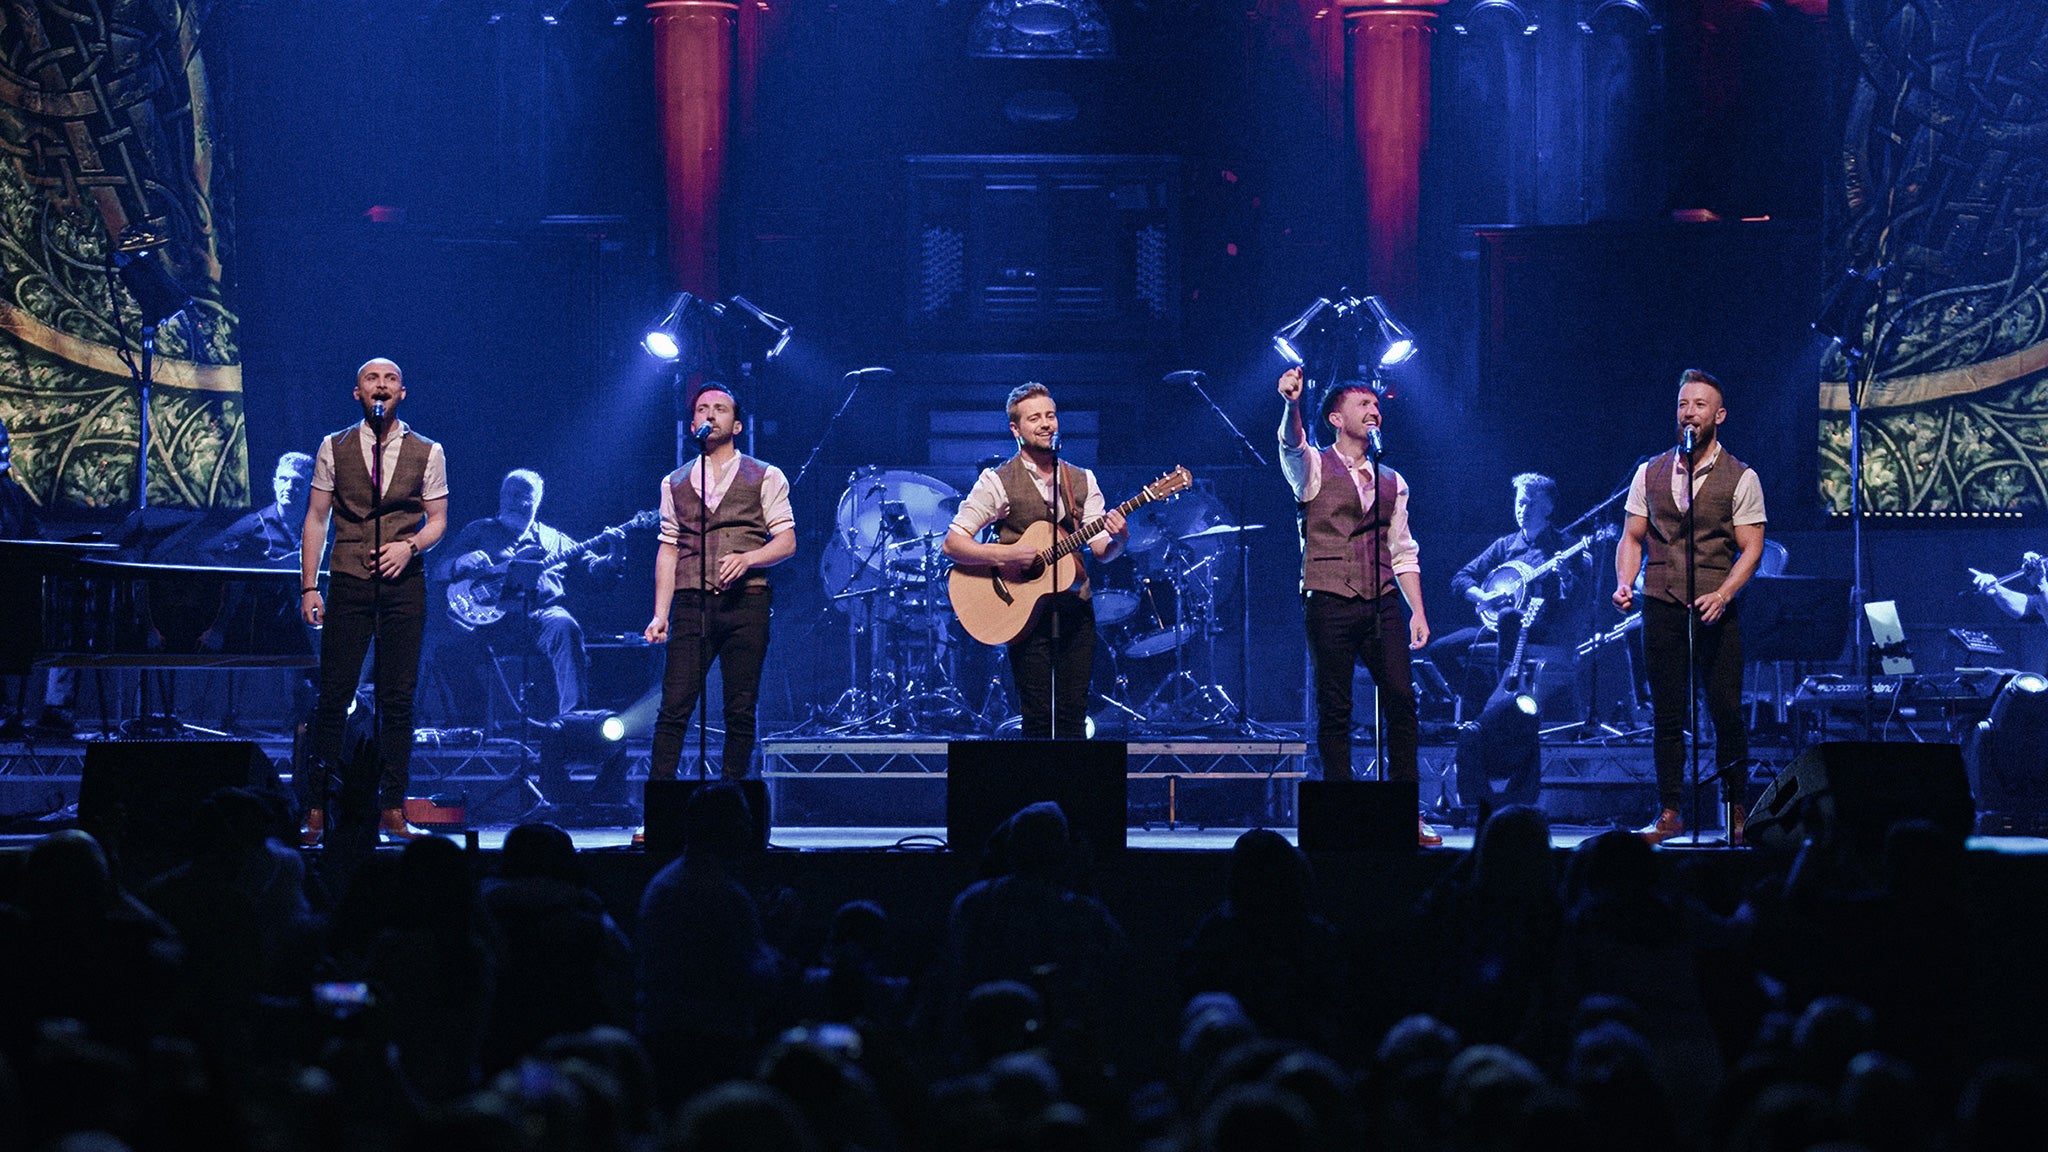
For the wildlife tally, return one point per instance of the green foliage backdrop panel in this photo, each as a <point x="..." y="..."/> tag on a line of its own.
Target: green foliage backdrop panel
<point x="105" y="127"/>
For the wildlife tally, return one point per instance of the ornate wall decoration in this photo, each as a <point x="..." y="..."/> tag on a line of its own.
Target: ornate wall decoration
<point x="1943" y="179"/>
<point x="106" y="128"/>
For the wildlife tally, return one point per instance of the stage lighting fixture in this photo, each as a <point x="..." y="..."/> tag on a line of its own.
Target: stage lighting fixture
<point x="1393" y="339"/>
<point x="664" y="337"/>
<point x="1499" y="761"/>
<point x="1289" y="339"/>
<point x="2010" y="757"/>
<point x="592" y="740"/>
<point x="156" y="292"/>
<point x="1847" y="304"/>
<point x="776" y="326"/>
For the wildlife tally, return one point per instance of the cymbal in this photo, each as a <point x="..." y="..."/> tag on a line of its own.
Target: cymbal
<point x="1220" y="530"/>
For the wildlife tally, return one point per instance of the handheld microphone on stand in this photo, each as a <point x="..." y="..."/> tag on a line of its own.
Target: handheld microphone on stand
<point x="377" y="410"/>
<point x="1185" y="376"/>
<point x="701" y="433"/>
<point x="1372" y="440"/>
<point x="1686" y="438"/>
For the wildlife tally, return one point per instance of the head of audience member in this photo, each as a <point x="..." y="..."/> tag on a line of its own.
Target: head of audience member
<point x="539" y="851"/>
<point x="1254" y="1118"/>
<point x="717" y="821"/>
<point x="2004" y="1105"/>
<point x="1830" y="1033"/>
<point x="740" y="1115"/>
<point x="619" y="1054"/>
<point x="436" y="894"/>
<point x="1034" y="842"/>
<point x="519" y="500"/>
<point x="1615" y="1071"/>
<point x="1484" y="1090"/>
<point x="1512" y="862"/>
<point x="291" y="484"/>
<point x="1535" y="502"/>
<point x="1325" y="1089"/>
<point x="66" y="878"/>
<point x="1882" y="1104"/>
<point x="1270" y="880"/>
<point x="999" y="1017"/>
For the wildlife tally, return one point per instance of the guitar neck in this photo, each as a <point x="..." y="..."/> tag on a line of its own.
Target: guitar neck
<point x="1073" y="541"/>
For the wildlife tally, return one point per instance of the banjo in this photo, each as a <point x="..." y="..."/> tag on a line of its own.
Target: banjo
<point x="1506" y="588"/>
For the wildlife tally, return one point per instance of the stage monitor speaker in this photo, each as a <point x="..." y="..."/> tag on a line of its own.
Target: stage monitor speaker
<point x="140" y="798"/>
<point x="1847" y="794"/>
<point x="662" y="806"/>
<point x="1358" y="815"/>
<point x="987" y="781"/>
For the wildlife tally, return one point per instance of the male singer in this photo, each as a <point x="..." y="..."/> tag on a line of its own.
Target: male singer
<point x="725" y="517"/>
<point x="1051" y="664"/>
<point x="1726" y="503"/>
<point x="1354" y="555"/>
<point x="386" y="508"/>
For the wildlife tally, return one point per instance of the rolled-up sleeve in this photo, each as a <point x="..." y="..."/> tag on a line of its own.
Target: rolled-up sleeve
<point x="985" y="504"/>
<point x="1401" y="544"/>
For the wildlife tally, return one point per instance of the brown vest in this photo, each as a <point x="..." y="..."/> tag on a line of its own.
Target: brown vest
<point x="358" y="511"/>
<point x="1339" y="537"/>
<point x="1714" y="549"/>
<point x="1027" y="506"/>
<point x="738" y="524"/>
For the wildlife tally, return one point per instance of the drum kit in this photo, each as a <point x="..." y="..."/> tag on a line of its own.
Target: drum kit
<point x="1156" y="614"/>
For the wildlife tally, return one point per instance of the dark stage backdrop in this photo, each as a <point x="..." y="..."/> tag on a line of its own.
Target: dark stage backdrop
<point x="1942" y="178"/>
<point x="107" y="116"/>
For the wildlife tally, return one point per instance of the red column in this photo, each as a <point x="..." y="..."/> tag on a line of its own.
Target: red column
<point x="693" y="73"/>
<point x="1390" y="42"/>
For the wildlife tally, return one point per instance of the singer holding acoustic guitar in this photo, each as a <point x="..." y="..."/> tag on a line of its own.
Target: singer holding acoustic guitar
<point x="725" y="517"/>
<point x="387" y="508"/>
<point x="1356" y="552"/>
<point x="1051" y="663"/>
<point x="1727" y="506"/>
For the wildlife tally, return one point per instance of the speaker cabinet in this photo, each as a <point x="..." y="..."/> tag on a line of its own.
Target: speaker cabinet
<point x="140" y="798"/>
<point x="1359" y="815"/>
<point x="1846" y="794"/>
<point x="987" y="781"/>
<point x="662" y="806"/>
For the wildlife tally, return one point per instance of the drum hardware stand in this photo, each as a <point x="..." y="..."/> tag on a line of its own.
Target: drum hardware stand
<point x="1241" y="722"/>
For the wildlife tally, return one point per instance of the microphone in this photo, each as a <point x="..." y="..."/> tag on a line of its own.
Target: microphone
<point x="377" y="410"/>
<point x="1685" y="439"/>
<point x="1372" y="438"/>
<point x="701" y="433"/>
<point x="1185" y="376"/>
<point x="858" y="373"/>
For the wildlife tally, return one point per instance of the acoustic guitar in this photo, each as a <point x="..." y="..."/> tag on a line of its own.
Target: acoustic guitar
<point x="996" y="610"/>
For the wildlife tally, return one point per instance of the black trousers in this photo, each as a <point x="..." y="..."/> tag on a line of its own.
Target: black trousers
<point x="736" y="633"/>
<point x="1048" y="671"/>
<point x="393" y="613"/>
<point x="1719" y="656"/>
<point x="1342" y="630"/>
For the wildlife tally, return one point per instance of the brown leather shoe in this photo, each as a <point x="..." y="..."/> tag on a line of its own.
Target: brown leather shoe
<point x="312" y="828"/>
<point x="1664" y="827"/>
<point x="391" y="824"/>
<point x="1425" y="836"/>
<point x="1738" y="825"/>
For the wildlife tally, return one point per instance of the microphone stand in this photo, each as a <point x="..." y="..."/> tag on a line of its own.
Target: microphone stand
<point x="1241" y="721"/>
<point x="1692" y="667"/>
<point x="1379" y="529"/>
<point x="703" y="611"/>
<point x="377" y="425"/>
<point x="1052" y="679"/>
